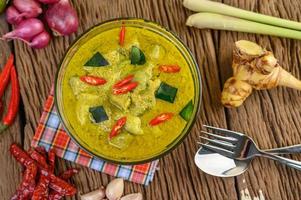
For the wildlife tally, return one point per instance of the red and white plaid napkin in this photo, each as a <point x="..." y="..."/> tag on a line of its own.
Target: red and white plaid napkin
<point x="51" y="134"/>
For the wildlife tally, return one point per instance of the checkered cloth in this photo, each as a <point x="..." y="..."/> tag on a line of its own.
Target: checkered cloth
<point x="50" y="133"/>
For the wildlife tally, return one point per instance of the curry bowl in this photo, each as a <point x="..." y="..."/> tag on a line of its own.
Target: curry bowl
<point x="128" y="91"/>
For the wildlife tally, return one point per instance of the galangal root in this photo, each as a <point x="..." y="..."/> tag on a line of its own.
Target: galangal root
<point x="254" y="68"/>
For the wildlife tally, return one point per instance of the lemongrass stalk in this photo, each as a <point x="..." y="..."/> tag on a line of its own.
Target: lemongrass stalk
<point x="220" y="8"/>
<point x="223" y="22"/>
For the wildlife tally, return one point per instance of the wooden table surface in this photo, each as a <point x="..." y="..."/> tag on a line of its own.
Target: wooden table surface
<point x="272" y="117"/>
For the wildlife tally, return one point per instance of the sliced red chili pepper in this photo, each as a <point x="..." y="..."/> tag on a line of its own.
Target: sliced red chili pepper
<point x="5" y="75"/>
<point x="124" y="81"/>
<point x="122" y="35"/>
<point x="51" y="159"/>
<point x="117" y="127"/>
<point x="41" y="190"/>
<point x="125" y="88"/>
<point x="14" y="101"/>
<point x="161" y="118"/>
<point x="93" y="80"/>
<point x="38" y="158"/>
<point x="169" y="68"/>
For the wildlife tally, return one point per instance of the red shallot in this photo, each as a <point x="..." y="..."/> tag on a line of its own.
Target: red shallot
<point x="48" y="1"/>
<point x="62" y="18"/>
<point x="13" y="16"/>
<point x="40" y="41"/>
<point x="28" y="8"/>
<point x="26" y="30"/>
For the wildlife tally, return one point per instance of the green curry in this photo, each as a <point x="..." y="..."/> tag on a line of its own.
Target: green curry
<point x="136" y="78"/>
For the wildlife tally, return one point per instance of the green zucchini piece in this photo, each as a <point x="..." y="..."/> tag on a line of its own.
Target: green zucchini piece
<point x="166" y="92"/>
<point x="97" y="60"/>
<point x="187" y="111"/>
<point x="137" y="56"/>
<point x="99" y="114"/>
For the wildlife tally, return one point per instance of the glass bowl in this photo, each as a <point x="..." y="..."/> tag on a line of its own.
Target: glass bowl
<point x="138" y="23"/>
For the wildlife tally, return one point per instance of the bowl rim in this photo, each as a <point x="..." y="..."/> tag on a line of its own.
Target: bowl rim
<point x="159" y="155"/>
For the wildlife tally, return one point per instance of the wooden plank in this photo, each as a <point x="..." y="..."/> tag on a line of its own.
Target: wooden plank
<point x="178" y="177"/>
<point x="270" y="117"/>
<point x="10" y="170"/>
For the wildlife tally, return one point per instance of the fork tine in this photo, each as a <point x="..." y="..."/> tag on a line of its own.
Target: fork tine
<point x="224" y="131"/>
<point x="218" y="150"/>
<point x="219" y="143"/>
<point x="227" y="139"/>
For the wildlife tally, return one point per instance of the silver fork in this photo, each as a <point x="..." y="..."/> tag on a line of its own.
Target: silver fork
<point x="238" y="146"/>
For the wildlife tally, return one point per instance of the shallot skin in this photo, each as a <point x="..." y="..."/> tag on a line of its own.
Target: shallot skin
<point x="26" y="30"/>
<point x="48" y="1"/>
<point x="40" y="41"/>
<point x="28" y="8"/>
<point x="13" y="16"/>
<point x="62" y="18"/>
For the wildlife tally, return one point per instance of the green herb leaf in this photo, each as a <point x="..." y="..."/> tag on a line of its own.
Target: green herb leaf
<point x="166" y="92"/>
<point x="137" y="56"/>
<point x="99" y="114"/>
<point x="97" y="61"/>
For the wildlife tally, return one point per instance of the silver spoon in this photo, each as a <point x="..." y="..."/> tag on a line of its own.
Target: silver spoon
<point x="217" y="165"/>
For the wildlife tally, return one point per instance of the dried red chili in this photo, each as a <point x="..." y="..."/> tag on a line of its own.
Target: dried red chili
<point x="20" y="155"/>
<point x="25" y="189"/>
<point x="39" y="158"/>
<point x="51" y="159"/>
<point x="41" y="190"/>
<point x="14" y="102"/>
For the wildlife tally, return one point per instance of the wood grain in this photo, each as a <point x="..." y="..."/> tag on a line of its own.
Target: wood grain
<point x="271" y="117"/>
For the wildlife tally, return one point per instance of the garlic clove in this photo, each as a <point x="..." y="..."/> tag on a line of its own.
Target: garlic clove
<point x="134" y="196"/>
<point x="95" y="195"/>
<point x="115" y="189"/>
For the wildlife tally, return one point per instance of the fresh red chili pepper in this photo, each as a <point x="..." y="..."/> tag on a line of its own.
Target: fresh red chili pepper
<point x="5" y="75"/>
<point x="1" y="107"/>
<point x="122" y="35"/>
<point x="169" y="68"/>
<point x="117" y="127"/>
<point x="41" y="190"/>
<point x="124" y="81"/>
<point x="26" y="188"/>
<point x="161" y="118"/>
<point x="93" y="80"/>
<point x="125" y="88"/>
<point x="51" y="159"/>
<point x="14" y="101"/>
<point x="38" y="158"/>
